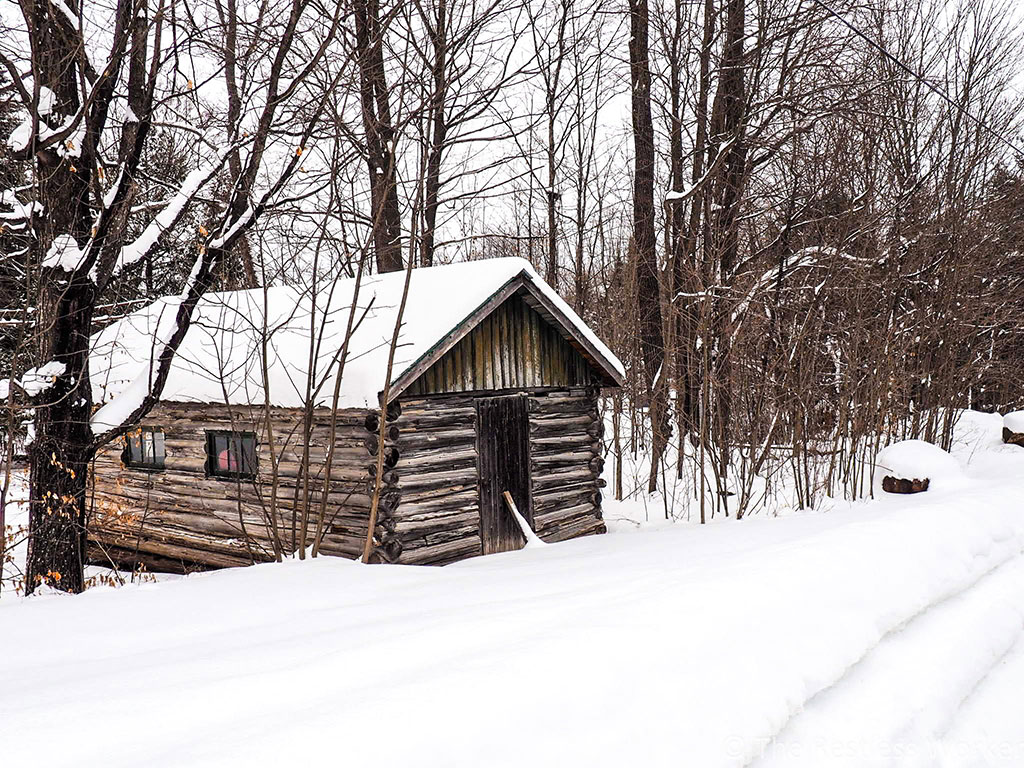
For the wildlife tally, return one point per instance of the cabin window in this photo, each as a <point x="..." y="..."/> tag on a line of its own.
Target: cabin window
<point x="144" y="449"/>
<point x="231" y="454"/>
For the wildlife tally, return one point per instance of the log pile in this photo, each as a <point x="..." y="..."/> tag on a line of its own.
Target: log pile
<point x="1013" y="438"/>
<point x="892" y="484"/>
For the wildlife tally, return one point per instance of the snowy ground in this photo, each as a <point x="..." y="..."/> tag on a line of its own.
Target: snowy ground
<point x="882" y="633"/>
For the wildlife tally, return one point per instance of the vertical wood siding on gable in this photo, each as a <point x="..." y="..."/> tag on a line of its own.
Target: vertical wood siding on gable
<point x="512" y="348"/>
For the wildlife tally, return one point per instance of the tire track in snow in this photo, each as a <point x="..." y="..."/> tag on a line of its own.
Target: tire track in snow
<point x="895" y="704"/>
<point x="988" y="732"/>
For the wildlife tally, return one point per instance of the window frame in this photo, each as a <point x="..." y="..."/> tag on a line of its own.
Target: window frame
<point x="241" y="438"/>
<point x="156" y="461"/>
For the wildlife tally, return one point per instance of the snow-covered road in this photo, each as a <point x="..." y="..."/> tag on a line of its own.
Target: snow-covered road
<point x="933" y="692"/>
<point x="887" y="633"/>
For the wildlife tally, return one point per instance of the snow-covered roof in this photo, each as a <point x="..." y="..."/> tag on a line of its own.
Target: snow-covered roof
<point x="220" y="358"/>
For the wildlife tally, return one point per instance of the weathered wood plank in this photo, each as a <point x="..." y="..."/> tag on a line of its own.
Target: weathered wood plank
<point x="583" y="526"/>
<point x="439" y="554"/>
<point x="512" y="347"/>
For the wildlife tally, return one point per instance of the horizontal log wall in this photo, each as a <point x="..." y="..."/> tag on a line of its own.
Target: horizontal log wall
<point x="438" y="518"/>
<point x="180" y="519"/>
<point x="565" y="459"/>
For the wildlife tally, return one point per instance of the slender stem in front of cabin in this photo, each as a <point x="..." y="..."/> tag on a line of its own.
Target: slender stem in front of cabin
<point x="308" y="400"/>
<point x="385" y="395"/>
<point x="275" y="472"/>
<point x="335" y="397"/>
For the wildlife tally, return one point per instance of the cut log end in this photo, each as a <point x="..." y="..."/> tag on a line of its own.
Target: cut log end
<point x="372" y="422"/>
<point x="892" y="484"/>
<point x="372" y="441"/>
<point x="394" y="410"/>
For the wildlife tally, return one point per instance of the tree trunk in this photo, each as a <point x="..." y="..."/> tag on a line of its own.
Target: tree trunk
<point x="648" y="293"/>
<point x="727" y="126"/>
<point x="552" y="199"/>
<point x="380" y="137"/>
<point x="438" y="128"/>
<point x="60" y="453"/>
<point x="685" y="272"/>
<point x="241" y="273"/>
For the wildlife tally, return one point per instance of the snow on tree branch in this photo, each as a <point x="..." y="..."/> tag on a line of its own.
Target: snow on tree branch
<point x="137" y="249"/>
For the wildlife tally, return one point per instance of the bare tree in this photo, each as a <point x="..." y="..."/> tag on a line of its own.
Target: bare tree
<point x="82" y="105"/>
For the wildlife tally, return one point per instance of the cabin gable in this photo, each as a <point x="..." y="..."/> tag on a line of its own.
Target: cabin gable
<point x="514" y="347"/>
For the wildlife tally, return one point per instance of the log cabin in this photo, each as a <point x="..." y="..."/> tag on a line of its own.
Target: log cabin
<point x="267" y="433"/>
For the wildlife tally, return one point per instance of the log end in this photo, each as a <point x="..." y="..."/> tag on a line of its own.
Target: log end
<point x="372" y="422"/>
<point x="1013" y="438"/>
<point x="892" y="484"/>
<point x="394" y="410"/>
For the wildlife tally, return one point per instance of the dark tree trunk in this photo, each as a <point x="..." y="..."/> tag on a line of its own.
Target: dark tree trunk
<point x="59" y="456"/>
<point x="241" y="271"/>
<point x="380" y="137"/>
<point x="648" y="293"/>
<point x="552" y="83"/>
<point x="551" y="274"/>
<point x="728" y="126"/>
<point x="60" y="453"/>
<point x="438" y="133"/>
<point x="686" y="276"/>
<point x="579" y="270"/>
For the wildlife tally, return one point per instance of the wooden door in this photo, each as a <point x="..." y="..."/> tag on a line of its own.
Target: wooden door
<point x="503" y="450"/>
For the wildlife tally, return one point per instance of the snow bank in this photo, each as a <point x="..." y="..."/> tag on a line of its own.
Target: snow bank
<point x="220" y="358"/>
<point x="917" y="460"/>
<point x="1014" y="421"/>
<point x="680" y="646"/>
<point x="844" y="638"/>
